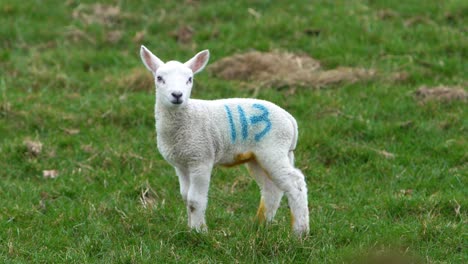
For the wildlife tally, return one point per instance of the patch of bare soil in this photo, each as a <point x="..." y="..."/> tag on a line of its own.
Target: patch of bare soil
<point x="282" y="69"/>
<point x="441" y="93"/>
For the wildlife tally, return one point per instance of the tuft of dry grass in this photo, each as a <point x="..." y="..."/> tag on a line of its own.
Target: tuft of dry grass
<point x="50" y="174"/>
<point x="413" y="21"/>
<point x="114" y="36"/>
<point x="441" y="93"/>
<point x="103" y="14"/>
<point x="76" y="35"/>
<point x="138" y="80"/>
<point x="33" y="147"/>
<point x="283" y="69"/>
<point x="71" y="131"/>
<point x="148" y="197"/>
<point x="386" y="14"/>
<point x="183" y="34"/>
<point x="139" y="36"/>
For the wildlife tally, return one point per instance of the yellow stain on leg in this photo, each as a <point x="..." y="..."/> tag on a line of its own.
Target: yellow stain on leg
<point x="261" y="212"/>
<point x="241" y="159"/>
<point x="248" y="157"/>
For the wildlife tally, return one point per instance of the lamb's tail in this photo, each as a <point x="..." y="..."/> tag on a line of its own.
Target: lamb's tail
<point x="294" y="139"/>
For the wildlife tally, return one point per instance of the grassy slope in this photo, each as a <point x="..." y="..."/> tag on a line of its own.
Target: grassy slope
<point x="92" y="212"/>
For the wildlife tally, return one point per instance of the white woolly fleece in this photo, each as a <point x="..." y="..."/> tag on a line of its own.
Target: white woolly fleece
<point x="195" y="135"/>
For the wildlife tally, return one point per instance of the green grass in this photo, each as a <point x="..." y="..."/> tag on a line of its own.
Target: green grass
<point x="359" y="200"/>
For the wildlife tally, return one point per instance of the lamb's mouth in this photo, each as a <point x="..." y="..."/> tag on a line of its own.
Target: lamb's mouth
<point x="177" y="101"/>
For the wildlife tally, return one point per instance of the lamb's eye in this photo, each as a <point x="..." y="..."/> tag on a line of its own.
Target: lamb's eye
<point x="159" y="78"/>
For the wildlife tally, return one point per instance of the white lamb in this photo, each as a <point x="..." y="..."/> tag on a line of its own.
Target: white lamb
<point x="195" y="135"/>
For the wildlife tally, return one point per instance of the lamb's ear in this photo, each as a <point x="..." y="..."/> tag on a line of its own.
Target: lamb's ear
<point x="199" y="61"/>
<point x="151" y="62"/>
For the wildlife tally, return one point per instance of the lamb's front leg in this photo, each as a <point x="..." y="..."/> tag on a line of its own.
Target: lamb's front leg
<point x="184" y="184"/>
<point x="197" y="198"/>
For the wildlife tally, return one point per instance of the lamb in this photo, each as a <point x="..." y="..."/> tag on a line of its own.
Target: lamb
<point x="196" y="135"/>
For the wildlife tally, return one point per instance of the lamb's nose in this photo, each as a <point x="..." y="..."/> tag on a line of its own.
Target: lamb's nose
<point x="176" y="95"/>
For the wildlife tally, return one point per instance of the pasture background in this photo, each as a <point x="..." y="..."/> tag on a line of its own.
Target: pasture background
<point x="77" y="85"/>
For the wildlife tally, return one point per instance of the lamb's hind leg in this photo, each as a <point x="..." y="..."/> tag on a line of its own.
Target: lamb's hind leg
<point x="271" y="194"/>
<point x="292" y="182"/>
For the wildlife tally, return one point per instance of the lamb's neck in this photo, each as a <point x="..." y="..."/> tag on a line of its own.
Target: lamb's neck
<point x="170" y="120"/>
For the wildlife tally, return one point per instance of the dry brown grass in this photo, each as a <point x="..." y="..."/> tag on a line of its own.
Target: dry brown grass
<point x="283" y="69"/>
<point x="137" y="79"/>
<point x="183" y="34"/>
<point x="76" y="35"/>
<point x="33" y="147"/>
<point x="139" y="37"/>
<point x="50" y="174"/>
<point x="386" y="14"/>
<point x="148" y="197"/>
<point x="114" y="36"/>
<point x="103" y="14"/>
<point x="441" y="93"/>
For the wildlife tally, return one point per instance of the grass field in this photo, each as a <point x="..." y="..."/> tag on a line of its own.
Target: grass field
<point x="385" y="172"/>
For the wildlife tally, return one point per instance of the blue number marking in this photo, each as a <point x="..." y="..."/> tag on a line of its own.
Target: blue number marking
<point x="261" y="118"/>
<point x="256" y="119"/>
<point x="244" y="124"/>
<point x="231" y="124"/>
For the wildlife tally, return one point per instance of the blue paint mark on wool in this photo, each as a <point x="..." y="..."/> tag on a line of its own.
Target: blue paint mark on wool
<point x="244" y="123"/>
<point x="261" y="118"/>
<point x="231" y="124"/>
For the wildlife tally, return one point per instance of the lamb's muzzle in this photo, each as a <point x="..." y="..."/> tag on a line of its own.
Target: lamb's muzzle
<point x="177" y="96"/>
<point x="196" y="135"/>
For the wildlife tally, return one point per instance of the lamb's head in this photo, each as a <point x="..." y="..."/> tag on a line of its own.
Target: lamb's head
<point x="173" y="79"/>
